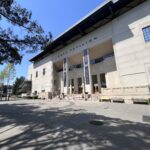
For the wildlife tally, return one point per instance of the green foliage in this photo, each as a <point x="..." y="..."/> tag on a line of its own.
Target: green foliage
<point x="16" y="85"/>
<point x="2" y="76"/>
<point x="8" y="73"/>
<point x="34" y="97"/>
<point x="31" y="97"/>
<point x="5" y="87"/>
<point x="11" y="44"/>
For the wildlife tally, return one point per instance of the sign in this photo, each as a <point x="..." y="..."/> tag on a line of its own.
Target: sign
<point x="65" y="71"/>
<point x="87" y="81"/>
<point x="86" y="57"/>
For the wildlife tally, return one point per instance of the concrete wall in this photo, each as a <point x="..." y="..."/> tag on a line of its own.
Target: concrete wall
<point x="42" y="82"/>
<point x="131" y="51"/>
<point x="113" y="79"/>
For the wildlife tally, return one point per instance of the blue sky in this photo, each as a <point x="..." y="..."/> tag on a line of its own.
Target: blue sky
<point x="54" y="16"/>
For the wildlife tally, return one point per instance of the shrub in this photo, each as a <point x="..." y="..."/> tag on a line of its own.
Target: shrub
<point x="34" y="97"/>
<point x="28" y="97"/>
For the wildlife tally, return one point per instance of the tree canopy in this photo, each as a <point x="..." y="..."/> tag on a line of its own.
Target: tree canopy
<point x="17" y="84"/>
<point x="8" y="73"/>
<point x="11" y="43"/>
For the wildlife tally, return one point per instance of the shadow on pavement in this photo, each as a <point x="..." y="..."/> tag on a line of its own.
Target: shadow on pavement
<point x="69" y="129"/>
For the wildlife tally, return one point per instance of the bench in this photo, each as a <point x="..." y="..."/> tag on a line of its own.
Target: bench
<point x="140" y="101"/>
<point x="117" y="100"/>
<point x="105" y="99"/>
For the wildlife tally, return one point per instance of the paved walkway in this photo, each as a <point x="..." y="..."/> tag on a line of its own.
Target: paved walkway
<point x="64" y="125"/>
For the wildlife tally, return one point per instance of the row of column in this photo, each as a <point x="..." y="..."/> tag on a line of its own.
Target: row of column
<point x="87" y="82"/>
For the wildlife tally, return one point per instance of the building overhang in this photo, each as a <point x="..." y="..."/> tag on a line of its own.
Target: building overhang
<point x="103" y="14"/>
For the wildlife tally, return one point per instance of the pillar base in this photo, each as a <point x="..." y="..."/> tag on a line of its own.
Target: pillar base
<point x="88" y="89"/>
<point x="65" y="90"/>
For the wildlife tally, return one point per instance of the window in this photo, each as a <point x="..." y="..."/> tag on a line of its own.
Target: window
<point x="79" y="82"/>
<point x="98" y="60"/>
<point x="94" y="79"/>
<point x="55" y="82"/>
<point x="44" y="71"/>
<point x="92" y="61"/>
<point x="60" y="70"/>
<point x="36" y="74"/>
<point x="146" y="33"/>
<point x="72" y="82"/>
<point x="103" y="80"/>
<point x="79" y="66"/>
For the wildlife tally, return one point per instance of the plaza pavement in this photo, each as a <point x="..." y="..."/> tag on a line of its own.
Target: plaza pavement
<point x="64" y="125"/>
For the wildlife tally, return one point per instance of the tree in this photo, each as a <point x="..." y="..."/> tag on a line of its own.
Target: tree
<point x="2" y="79"/>
<point x="10" y="73"/>
<point x="16" y="85"/>
<point x="2" y="76"/>
<point x="7" y="75"/>
<point x="12" y="44"/>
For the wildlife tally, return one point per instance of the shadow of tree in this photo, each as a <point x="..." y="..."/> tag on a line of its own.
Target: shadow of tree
<point x="68" y="129"/>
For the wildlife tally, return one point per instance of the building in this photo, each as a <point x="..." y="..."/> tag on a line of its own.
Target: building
<point x="25" y="88"/>
<point x="107" y="52"/>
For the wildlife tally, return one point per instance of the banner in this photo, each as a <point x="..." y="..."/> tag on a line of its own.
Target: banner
<point x="65" y="72"/>
<point x="86" y="67"/>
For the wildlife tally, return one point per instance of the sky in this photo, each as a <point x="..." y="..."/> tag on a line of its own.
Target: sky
<point x="54" y="16"/>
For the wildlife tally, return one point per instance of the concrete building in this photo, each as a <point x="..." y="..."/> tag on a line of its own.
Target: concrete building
<point x="106" y="52"/>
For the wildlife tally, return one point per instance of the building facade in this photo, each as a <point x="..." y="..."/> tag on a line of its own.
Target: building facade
<point x="107" y="52"/>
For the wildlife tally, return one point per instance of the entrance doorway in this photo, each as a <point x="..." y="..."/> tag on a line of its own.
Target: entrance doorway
<point x="95" y="83"/>
<point x="72" y="86"/>
<point x="80" y="88"/>
<point x="103" y="80"/>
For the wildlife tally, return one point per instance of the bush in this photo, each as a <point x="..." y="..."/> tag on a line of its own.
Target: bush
<point x="28" y="97"/>
<point x="31" y="97"/>
<point x="34" y="97"/>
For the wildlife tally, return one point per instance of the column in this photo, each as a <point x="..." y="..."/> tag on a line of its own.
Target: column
<point x="87" y="72"/>
<point x="70" y="86"/>
<point x="65" y="75"/>
<point x="51" y="76"/>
